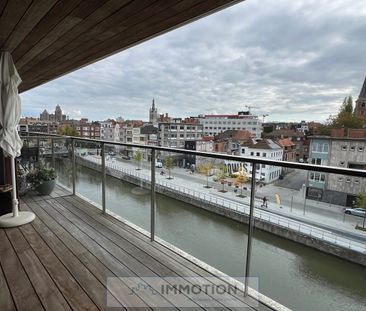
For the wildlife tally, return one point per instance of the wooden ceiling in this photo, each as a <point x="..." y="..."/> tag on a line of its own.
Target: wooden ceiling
<point x="49" y="38"/>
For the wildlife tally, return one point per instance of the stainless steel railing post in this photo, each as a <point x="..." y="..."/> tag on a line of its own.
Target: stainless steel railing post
<point x="102" y="154"/>
<point x="153" y="197"/>
<point x="38" y="151"/>
<point x="250" y="229"/>
<point x="73" y="166"/>
<point x="53" y="153"/>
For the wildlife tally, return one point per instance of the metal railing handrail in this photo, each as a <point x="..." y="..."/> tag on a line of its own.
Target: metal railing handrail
<point x="253" y="160"/>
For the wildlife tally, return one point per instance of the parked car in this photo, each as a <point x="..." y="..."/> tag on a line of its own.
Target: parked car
<point x="355" y="211"/>
<point x="126" y="157"/>
<point x="158" y="164"/>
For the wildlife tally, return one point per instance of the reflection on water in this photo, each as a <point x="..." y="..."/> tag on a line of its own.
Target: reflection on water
<point x="299" y="277"/>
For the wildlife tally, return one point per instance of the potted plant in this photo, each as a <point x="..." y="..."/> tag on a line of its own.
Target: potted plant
<point x="42" y="179"/>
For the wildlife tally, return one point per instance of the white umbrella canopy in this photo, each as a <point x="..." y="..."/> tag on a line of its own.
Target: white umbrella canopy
<point x="10" y="110"/>
<point x="10" y="141"/>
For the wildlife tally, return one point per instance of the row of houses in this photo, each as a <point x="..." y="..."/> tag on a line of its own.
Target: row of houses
<point x="83" y="127"/>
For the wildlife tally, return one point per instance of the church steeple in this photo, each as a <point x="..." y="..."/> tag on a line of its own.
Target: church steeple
<point x="153" y="113"/>
<point x="360" y="109"/>
<point x="363" y="90"/>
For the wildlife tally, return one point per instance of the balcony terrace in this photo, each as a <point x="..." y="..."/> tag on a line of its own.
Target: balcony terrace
<point x="62" y="260"/>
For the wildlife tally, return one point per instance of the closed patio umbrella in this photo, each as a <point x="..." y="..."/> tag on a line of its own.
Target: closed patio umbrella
<point x="10" y="141"/>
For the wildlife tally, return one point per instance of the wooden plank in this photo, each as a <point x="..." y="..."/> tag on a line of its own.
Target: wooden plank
<point x="128" y="267"/>
<point x="101" y="224"/>
<point x="12" y="13"/>
<point x="98" y="268"/>
<point x="45" y="288"/>
<point x="165" y="255"/>
<point x="105" y="257"/>
<point x="70" y="288"/>
<point x="25" y="298"/>
<point x="6" y="301"/>
<point x="91" y="286"/>
<point x="138" y="254"/>
<point x="48" y="22"/>
<point x="68" y="272"/>
<point x="91" y="36"/>
<point x="124" y="19"/>
<point x="2" y="6"/>
<point x="132" y="35"/>
<point x="32" y="16"/>
<point x="43" y="50"/>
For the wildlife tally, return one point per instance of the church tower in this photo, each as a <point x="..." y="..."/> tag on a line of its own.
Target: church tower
<point x="360" y="109"/>
<point x="153" y="115"/>
<point x="58" y="114"/>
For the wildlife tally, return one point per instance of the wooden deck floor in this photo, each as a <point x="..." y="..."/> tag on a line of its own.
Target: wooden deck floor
<point x="62" y="260"/>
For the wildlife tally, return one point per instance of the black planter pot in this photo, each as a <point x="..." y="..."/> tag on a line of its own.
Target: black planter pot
<point x="46" y="187"/>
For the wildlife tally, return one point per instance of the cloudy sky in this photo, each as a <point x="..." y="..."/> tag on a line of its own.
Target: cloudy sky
<point x="292" y="60"/>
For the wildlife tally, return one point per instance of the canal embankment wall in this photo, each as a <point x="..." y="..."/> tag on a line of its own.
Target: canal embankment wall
<point x="261" y="224"/>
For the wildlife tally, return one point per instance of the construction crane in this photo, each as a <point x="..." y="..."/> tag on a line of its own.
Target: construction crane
<point x="250" y="107"/>
<point x="264" y="116"/>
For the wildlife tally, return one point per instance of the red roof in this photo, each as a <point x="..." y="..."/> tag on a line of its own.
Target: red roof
<point x="285" y="142"/>
<point x="207" y="138"/>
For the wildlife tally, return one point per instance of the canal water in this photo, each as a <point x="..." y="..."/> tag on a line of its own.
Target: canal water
<point x="296" y="276"/>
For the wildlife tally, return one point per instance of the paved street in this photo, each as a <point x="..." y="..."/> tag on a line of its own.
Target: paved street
<point x="293" y="180"/>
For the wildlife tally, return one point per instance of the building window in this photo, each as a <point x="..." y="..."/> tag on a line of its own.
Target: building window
<point x="340" y="179"/>
<point x="344" y="148"/>
<point x="348" y="180"/>
<point x="360" y="149"/>
<point x="252" y="153"/>
<point x="258" y="154"/>
<point x="357" y="181"/>
<point x="341" y="163"/>
<point x="353" y="148"/>
<point x="316" y="161"/>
